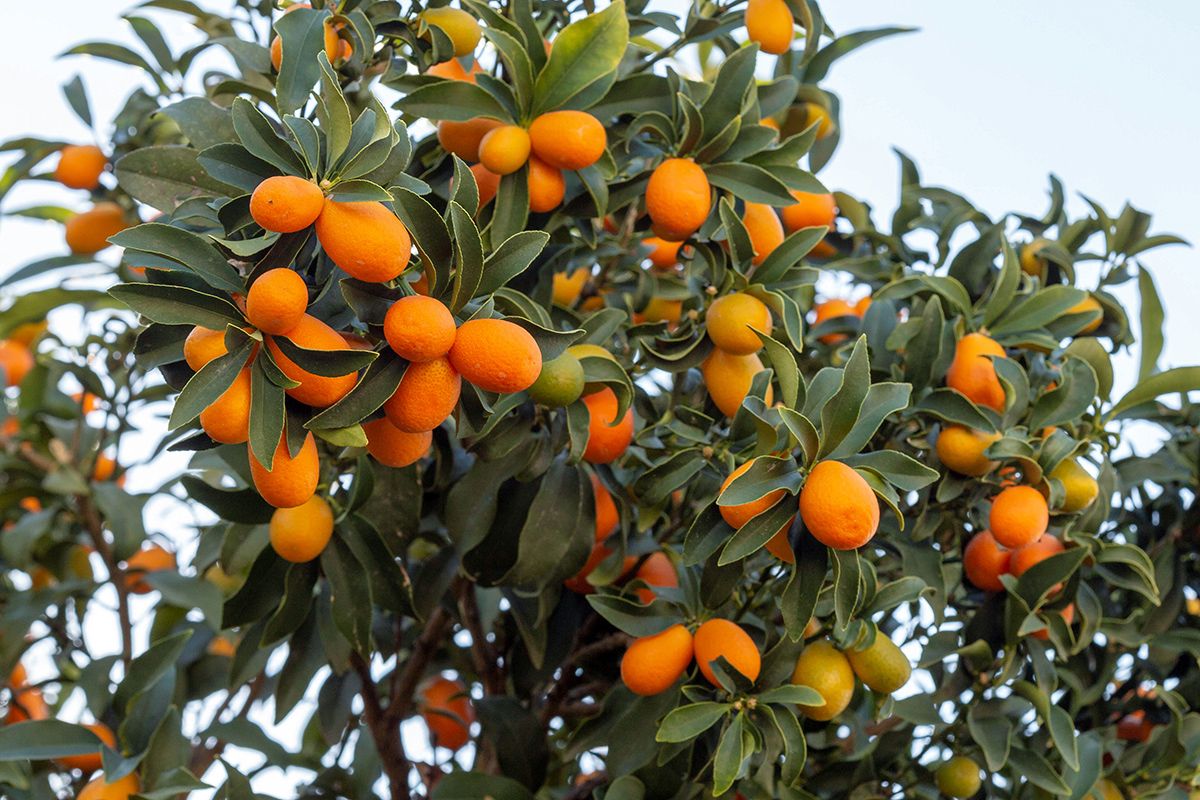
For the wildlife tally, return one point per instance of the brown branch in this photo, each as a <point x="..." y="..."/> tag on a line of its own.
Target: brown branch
<point x="116" y="575"/>
<point x="585" y="789"/>
<point x="385" y="733"/>
<point x="203" y="757"/>
<point x="579" y="653"/>
<point x="487" y="665"/>
<point x="401" y="703"/>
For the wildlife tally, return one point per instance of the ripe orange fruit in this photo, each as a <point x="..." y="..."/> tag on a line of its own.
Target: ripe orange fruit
<point x="462" y="28"/>
<point x="678" y="199"/>
<point x="860" y="308"/>
<point x="80" y="166"/>
<point x="720" y="637"/>
<point x="663" y="254"/>
<point x="463" y="138"/>
<point x="1088" y="304"/>
<point x="959" y="778"/>
<point x="985" y="560"/>
<point x="838" y="506"/>
<point x="578" y="582"/>
<point x="729" y="321"/>
<point x="88" y="232"/>
<point x="661" y="309"/>
<point x="16" y="361"/>
<point x="961" y="449"/>
<point x="546" y="186"/>
<point x="419" y="328"/>
<point x="151" y="558"/>
<point x="567" y="288"/>
<point x="809" y="211"/>
<point x="568" y="139"/>
<point x="120" y="789"/>
<point x="487" y="182"/>
<point x="90" y="762"/>
<point x="504" y="150"/>
<point x="392" y="446"/>
<point x="291" y="481"/>
<point x="335" y="48"/>
<point x="1036" y="551"/>
<point x="227" y="420"/>
<point x="286" y="203"/>
<point x="300" y="533"/>
<point x="447" y="711"/>
<point x="496" y="355"/>
<point x="974" y="374"/>
<point x="771" y="24"/>
<point x="607" y="518"/>
<point x="762" y="223"/>
<point x="202" y="346"/>
<point x="365" y="239"/>
<point x="1068" y="615"/>
<point x="739" y="515"/>
<point x="277" y="301"/>
<point x="1019" y="516"/>
<point x="221" y="646"/>
<point x="314" y="390"/>
<point x="653" y="664"/>
<point x="452" y="69"/>
<point x="104" y="468"/>
<point x="607" y="438"/>
<point x="26" y="332"/>
<point x="819" y="114"/>
<point x="656" y="570"/>
<point x="832" y="309"/>
<point x="1031" y="262"/>
<point x="425" y="397"/>
<point x="1134" y="727"/>
<point x="823" y="667"/>
<point x="24" y="703"/>
<point x="728" y="379"/>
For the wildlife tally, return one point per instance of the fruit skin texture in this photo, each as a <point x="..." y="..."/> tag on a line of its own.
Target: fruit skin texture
<point x="959" y="778"/>
<point x="277" y="301"/>
<point x="984" y="561"/>
<point x="547" y="187"/>
<point x="365" y="239"/>
<point x="227" y="420"/>
<point x="607" y="518"/>
<point x="678" y="199"/>
<point x="728" y="379"/>
<point x="763" y="225"/>
<point x="1068" y="615"/>
<point x="496" y="355"/>
<point x="121" y="789"/>
<point x="16" y="361"/>
<point x="80" y="166"/>
<point x="451" y="728"/>
<point x="1088" y="304"/>
<point x="656" y="570"/>
<point x="1081" y="488"/>
<point x="720" y="637"/>
<point x="1019" y="516"/>
<point x="292" y="480"/>
<point x="487" y="182"/>
<point x="151" y="558"/>
<point x="973" y="374"/>
<point x="314" y="390"/>
<point x="606" y="441"/>
<point x="961" y="449"/>
<point x="567" y="288"/>
<point x="88" y="232"/>
<point x="461" y="27"/>
<point x="90" y="762"/>
<point x="739" y="515"/>
<point x="663" y="254"/>
<point x="299" y="534"/>
<point x="729" y="321"/>
<point x="419" y="328"/>
<point x="426" y="396"/>
<point x="202" y="346"/>
<point x="505" y="150"/>
<point x="838" y="506"/>
<point x="1036" y="551"/>
<point x="809" y="211"/>
<point x="560" y="382"/>
<point x="568" y="139"/>
<point x="653" y="664"/>
<point x="392" y="446"/>
<point x="30" y="703"/>
<point x="463" y="138"/>
<point x="832" y="309"/>
<point x="286" y="203"/>
<point x="882" y="667"/>
<point x="1031" y="262"/>
<point x="823" y="667"/>
<point x="771" y="24"/>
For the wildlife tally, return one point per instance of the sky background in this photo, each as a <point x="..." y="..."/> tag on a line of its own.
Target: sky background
<point x="988" y="98"/>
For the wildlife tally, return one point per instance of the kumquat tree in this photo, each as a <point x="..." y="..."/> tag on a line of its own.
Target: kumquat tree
<point x="526" y="455"/>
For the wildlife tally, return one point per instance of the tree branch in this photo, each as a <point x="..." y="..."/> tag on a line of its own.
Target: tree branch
<point x="384" y="731"/>
<point x="116" y="575"/>
<point x="487" y="665"/>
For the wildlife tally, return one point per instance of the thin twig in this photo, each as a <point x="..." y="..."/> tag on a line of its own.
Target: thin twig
<point x="487" y="665"/>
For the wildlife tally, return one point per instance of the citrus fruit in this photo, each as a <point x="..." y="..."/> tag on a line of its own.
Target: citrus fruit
<point x="202" y="346"/>
<point x="985" y="560"/>
<point x="87" y="233"/>
<point x="80" y="166"/>
<point x="419" y="328"/>
<point x="678" y="199"/>
<point x="607" y="518"/>
<point x="463" y="138"/>
<point x="809" y="211"/>
<point x="26" y="704"/>
<point x="838" y="506"/>
<point x="653" y="664"/>
<point x="739" y="515"/>
<point x="151" y="558"/>
<point x="567" y="287"/>
<point x="546" y="186"/>
<point x="452" y="69"/>
<point x="762" y="223"/>
<point x="300" y="533"/>
<point x="104" y="468"/>
<point x="15" y="361"/>
<point x="663" y="254"/>
<point x="286" y="203"/>
<point x="728" y="379"/>
<point x="607" y="438"/>
<point x="277" y="301"/>
<point x="1036" y="551"/>
<point x="1080" y="487"/>
<point x="720" y="637"/>
<point x="314" y="390"/>
<point x="832" y="309"/>
<point x="570" y="140"/>
<point x="90" y="762"/>
<point x="461" y="27"/>
<point x="815" y="113"/>
<point x="882" y="667"/>
<point x="1031" y="262"/>
<point x="1068" y="616"/>
<point x="290" y="481"/>
<point x="1134" y="727"/>
<point x="392" y="446"/>
<point x="824" y="668"/>
<point x="227" y="420"/>
<point x="1019" y="516"/>
<point x="771" y="24"/>
<point x="961" y="449"/>
<point x="365" y="239"/>
<point x="662" y="309"/>
<point x="496" y="355"/>
<point x="120" y="789"/>
<point x="959" y="778"/>
<point x="656" y="570"/>
<point x="504" y="150"/>
<point x="426" y="396"/>
<point x="732" y="319"/>
<point x="447" y="711"/>
<point x="1085" y="305"/>
<point x="560" y="382"/>
<point x="487" y="182"/>
<point x="582" y="351"/>
<point x="973" y="374"/>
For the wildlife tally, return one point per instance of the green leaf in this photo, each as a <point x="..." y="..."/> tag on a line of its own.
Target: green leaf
<point x="687" y="722"/>
<point x="185" y="248"/>
<point x="177" y="305"/>
<point x="160" y="176"/>
<point x="1039" y="310"/>
<point x="560" y="505"/>
<point x="350" y="595"/>
<point x="584" y="51"/>
<point x="267" y="411"/>
<point x="327" y="363"/>
<point x="76" y="96"/>
<point x="750" y="183"/>
<point x="993" y="732"/>
<point x="189" y="592"/>
<point x="758" y="531"/>
<point x="630" y="616"/>
<point x="303" y="40"/>
<point x="949" y="405"/>
<point x="468" y="252"/>
<point x="1034" y="768"/>
<point x="46" y="739"/>
<point x="795" y="746"/>
<point x="207" y="385"/>
<point x="453" y="101"/>
<point x="903" y="590"/>
<point x="461" y="785"/>
<point x="727" y="762"/>
<point x="899" y="469"/>
<point x="839" y="415"/>
<point x="202" y="121"/>
<point x="1180" y="379"/>
<point x="151" y="665"/>
<point x="818" y="67"/>
<point x="511" y="259"/>
<point x="792" y="695"/>
<point x="882" y="400"/>
<point x="1150" y="315"/>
